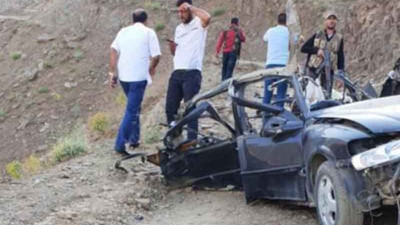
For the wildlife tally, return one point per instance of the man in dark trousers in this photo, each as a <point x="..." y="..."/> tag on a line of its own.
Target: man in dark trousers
<point x="327" y="39"/>
<point x="188" y="50"/>
<point x="232" y="39"/>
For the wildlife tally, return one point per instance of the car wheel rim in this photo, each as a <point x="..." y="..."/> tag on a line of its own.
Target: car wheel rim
<point x="327" y="204"/>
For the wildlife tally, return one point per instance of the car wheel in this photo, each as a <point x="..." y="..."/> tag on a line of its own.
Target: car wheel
<point x="333" y="206"/>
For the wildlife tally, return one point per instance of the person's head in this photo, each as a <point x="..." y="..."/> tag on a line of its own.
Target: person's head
<point x="282" y="19"/>
<point x="330" y="20"/>
<point x="185" y="15"/>
<point x="397" y="65"/>
<point x="235" y="21"/>
<point x="139" y="16"/>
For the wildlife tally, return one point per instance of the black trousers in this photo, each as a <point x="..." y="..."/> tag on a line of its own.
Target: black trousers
<point x="228" y="64"/>
<point x="183" y="84"/>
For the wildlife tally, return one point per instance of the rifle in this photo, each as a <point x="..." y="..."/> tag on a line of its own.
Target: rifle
<point x="326" y="65"/>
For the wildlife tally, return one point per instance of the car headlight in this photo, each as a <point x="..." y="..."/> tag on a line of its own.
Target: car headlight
<point x="378" y="156"/>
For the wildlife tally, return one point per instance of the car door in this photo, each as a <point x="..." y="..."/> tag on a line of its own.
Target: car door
<point x="270" y="156"/>
<point x="271" y="163"/>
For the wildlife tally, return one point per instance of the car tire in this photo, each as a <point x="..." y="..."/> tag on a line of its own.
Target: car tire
<point x="332" y="201"/>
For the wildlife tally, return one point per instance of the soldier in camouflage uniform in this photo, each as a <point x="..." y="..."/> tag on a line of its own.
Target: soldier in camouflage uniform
<point x="327" y="39"/>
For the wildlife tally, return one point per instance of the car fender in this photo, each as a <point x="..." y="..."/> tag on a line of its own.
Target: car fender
<point x="327" y="142"/>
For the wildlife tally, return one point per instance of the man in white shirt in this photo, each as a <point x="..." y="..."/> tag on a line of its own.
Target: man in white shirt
<point x="188" y="50"/>
<point x="134" y="56"/>
<point x="277" y="56"/>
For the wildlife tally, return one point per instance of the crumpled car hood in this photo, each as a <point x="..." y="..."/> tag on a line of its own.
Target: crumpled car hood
<point x="380" y="115"/>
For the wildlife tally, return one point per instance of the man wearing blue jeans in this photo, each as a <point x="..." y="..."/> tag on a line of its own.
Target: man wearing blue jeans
<point x="277" y="56"/>
<point x="131" y="52"/>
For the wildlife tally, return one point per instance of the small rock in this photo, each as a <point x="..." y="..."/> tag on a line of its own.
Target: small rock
<point x="188" y="189"/>
<point x="54" y="117"/>
<point x="42" y="148"/>
<point x="31" y="74"/>
<point x="64" y="176"/>
<point x="40" y="65"/>
<point x="45" y="38"/>
<point x="16" y="106"/>
<point x="85" y="195"/>
<point x="67" y="215"/>
<point x="24" y="216"/>
<point x="139" y="217"/>
<point x="23" y="124"/>
<point x="70" y="85"/>
<point x="44" y="128"/>
<point x="72" y="45"/>
<point x="144" y="203"/>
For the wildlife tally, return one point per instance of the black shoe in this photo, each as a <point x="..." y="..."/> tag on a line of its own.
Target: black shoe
<point x="133" y="146"/>
<point x="122" y="153"/>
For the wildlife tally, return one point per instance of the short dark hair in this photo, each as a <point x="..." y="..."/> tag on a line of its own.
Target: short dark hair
<point x="180" y="2"/>
<point x="282" y="18"/>
<point x="235" y="20"/>
<point x="139" y="16"/>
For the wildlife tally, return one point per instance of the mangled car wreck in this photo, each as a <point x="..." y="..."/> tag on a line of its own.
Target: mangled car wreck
<point x="344" y="159"/>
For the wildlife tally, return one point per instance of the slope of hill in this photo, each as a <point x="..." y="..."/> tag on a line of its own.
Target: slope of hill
<point x="54" y="61"/>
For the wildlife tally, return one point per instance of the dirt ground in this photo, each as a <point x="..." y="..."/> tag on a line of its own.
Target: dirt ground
<point x="89" y="191"/>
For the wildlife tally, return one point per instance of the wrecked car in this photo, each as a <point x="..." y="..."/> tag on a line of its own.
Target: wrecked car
<point x="342" y="159"/>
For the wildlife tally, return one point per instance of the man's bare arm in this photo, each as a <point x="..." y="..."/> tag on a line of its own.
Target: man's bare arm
<point x="172" y="46"/>
<point x="153" y="64"/>
<point x="113" y="60"/>
<point x="113" y="67"/>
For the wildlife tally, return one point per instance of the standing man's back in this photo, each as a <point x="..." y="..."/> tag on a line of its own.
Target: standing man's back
<point x="278" y="45"/>
<point x="277" y="39"/>
<point x="134" y="56"/>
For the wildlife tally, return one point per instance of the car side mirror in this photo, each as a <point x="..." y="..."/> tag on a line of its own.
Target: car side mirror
<point x="276" y="125"/>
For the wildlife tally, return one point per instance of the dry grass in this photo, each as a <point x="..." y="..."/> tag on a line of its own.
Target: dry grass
<point x="14" y="169"/>
<point x="32" y="165"/>
<point x="70" y="146"/>
<point x="121" y="99"/>
<point x="99" y="123"/>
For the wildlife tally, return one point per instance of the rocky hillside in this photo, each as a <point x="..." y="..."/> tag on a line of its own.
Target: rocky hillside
<point x="54" y="54"/>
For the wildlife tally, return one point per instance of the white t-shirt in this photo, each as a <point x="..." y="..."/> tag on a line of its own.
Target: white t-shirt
<point x="135" y="45"/>
<point x="278" y="45"/>
<point x="191" y="41"/>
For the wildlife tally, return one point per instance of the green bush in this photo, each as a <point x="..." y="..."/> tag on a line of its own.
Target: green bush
<point x="121" y="99"/>
<point x="151" y="135"/>
<point x="159" y="27"/>
<point x="79" y="55"/>
<point x="14" y="169"/>
<point x="218" y="12"/>
<point x="2" y="113"/>
<point x="68" y="147"/>
<point x="43" y="90"/>
<point x="16" y="55"/>
<point x="99" y="122"/>
<point x="153" y="5"/>
<point x="32" y="165"/>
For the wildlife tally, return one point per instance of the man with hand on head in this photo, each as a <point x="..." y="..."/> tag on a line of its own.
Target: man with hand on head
<point x="188" y="51"/>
